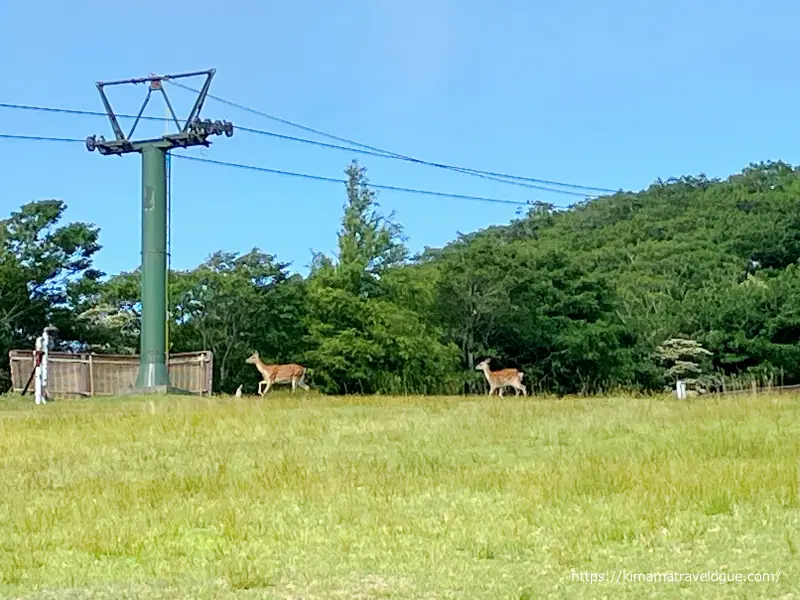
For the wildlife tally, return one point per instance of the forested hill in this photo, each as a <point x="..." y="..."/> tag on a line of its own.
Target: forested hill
<point x="582" y="300"/>
<point x="705" y="259"/>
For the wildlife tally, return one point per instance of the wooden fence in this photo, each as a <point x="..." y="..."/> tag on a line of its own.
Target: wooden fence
<point x="760" y="390"/>
<point x="75" y="375"/>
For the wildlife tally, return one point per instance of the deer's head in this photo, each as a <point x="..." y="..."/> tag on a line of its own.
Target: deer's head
<point x="483" y="365"/>
<point x="252" y="359"/>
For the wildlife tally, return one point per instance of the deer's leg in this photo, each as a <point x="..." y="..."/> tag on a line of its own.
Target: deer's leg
<point x="302" y="383"/>
<point x="260" y="385"/>
<point x="269" y="385"/>
<point x="294" y="384"/>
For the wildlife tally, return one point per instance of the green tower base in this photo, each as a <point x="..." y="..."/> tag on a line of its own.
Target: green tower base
<point x="153" y="379"/>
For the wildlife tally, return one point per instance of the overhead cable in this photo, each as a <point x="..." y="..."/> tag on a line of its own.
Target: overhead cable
<point x="388" y="152"/>
<point x="334" y="180"/>
<point x="20" y="137"/>
<point x="364" y="150"/>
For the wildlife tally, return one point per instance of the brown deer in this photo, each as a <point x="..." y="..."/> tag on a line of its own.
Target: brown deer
<point x="502" y="378"/>
<point x="271" y="374"/>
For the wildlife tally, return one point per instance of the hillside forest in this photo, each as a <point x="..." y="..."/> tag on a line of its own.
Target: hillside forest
<point x="614" y="293"/>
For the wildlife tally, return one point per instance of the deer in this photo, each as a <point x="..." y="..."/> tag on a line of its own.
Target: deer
<point x="271" y="374"/>
<point x="502" y="378"/>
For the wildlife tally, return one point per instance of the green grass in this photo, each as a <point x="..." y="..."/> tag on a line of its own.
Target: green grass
<point x="467" y="498"/>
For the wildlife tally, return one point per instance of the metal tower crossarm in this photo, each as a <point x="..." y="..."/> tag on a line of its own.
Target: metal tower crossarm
<point x="194" y="132"/>
<point x="153" y="374"/>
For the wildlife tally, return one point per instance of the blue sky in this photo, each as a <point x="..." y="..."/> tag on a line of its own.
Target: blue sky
<point x="612" y="94"/>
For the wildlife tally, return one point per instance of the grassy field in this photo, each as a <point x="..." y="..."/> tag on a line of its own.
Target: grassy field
<point x="467" y="498"/>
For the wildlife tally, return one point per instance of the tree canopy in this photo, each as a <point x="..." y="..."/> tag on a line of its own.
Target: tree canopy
<point x="607" y="294"/>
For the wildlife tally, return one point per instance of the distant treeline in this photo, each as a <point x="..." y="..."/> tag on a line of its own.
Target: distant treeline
<point x="580" y="300"/>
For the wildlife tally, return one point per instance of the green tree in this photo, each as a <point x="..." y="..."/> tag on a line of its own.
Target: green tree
<point x="472" y="296"/>
<point x="39" y="261"/>
<point x="683" y="359"/>
<point x="361" y="341"/>
<point x="234" y="305"/>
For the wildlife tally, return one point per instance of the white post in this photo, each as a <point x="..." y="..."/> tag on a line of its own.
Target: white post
<point x="680" y="388"/>
<point x="46" y="349"/>
<point x="38" y="381"/>
<point x="40" y="360"/>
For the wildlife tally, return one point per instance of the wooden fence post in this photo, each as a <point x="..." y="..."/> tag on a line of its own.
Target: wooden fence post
<point x="91" y="376"/>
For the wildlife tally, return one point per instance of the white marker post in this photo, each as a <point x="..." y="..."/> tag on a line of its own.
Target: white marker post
<point x="43" y="343"/>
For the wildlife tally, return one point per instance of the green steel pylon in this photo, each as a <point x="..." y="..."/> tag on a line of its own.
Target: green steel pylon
<point x="153" y="375"/>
